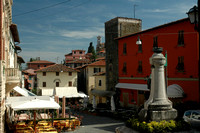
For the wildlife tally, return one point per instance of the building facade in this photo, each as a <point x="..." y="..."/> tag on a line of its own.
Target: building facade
<point x="75" y="55"/>
<point x="91" y="70"/>
<point x="115" y="28"/>
<point x="179" y="41"/>
<point x="53" y="76"/>
<point x="10" y="63"/>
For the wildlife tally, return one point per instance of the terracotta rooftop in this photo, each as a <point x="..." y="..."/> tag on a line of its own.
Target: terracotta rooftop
<point x="80" y="61"/>
<point x="98" y="63"/>
<point x="41" y="61"/>
<point x="57" y="68"/>
<point x="29" y="71"/>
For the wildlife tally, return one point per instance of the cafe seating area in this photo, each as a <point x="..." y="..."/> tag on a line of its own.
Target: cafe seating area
<point x="45" y="126"/>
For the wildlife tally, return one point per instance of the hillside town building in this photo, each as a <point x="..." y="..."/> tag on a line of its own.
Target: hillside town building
<point x="179" y="41"/>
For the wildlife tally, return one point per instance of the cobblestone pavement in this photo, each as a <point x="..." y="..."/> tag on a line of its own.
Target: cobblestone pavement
<point x="97" y="124"/>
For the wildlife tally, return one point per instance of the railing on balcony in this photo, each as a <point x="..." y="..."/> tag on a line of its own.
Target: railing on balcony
<point x="12" y="74"/>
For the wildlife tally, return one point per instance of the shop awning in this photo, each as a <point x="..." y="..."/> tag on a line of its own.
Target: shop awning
<point x="140" y="87"/>
<point x="68" y="92"/>
<point x="47" y="92"/>
<point x="175" y="91"/>
<point x="23" y="91"/>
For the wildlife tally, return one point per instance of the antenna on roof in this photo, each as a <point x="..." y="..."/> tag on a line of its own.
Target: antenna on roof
<point x="134" y="9"/>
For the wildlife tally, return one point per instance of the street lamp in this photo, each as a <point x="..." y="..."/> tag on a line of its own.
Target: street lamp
<point x="139" y="42"/>
<point x="194" y="17"/>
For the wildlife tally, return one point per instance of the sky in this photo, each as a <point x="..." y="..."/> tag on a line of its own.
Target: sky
<point x="49" y="29"/>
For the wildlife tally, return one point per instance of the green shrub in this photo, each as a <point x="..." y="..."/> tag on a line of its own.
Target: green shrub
<point x="158" y="127"/>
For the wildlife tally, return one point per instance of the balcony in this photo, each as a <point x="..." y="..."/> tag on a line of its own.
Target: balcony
<point x="12" y="78"/>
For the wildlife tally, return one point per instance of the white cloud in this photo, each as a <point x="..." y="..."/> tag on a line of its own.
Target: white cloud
<point x="84" y="34"/>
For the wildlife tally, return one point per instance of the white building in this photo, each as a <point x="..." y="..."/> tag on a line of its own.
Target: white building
<point x="56" y="78"/>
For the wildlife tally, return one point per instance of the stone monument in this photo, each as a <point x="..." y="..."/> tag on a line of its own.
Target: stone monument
<point x="158" y="107"/>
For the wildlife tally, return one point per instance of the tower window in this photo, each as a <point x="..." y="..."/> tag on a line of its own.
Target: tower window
<point x="181" y="38"/>
<point x="124" y="49"/>
<point x="140" y="48"/>
<point x="155" y="41"/>
<point x="140" y="66"/>
<point x="124" y="70"/>
<point x="180" y="65"/>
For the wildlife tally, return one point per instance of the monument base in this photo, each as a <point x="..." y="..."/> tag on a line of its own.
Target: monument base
<point x="157" y="115"/>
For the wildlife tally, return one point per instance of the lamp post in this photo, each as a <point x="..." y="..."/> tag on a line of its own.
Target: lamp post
<point x="194" y="17"/>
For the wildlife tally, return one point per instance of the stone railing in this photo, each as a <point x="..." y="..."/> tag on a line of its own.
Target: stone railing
<point x="12" y="74"/>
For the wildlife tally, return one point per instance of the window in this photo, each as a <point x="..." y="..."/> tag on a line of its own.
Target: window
<point x="181" y="38"/>
<point x="124" y="49"/>
<point x="74" y="52"/>
<point x="70" y="73"/>
<point x="57" y="84"/>
<point x="44" y="73"/>
<point x="57" y="73"/>
<point x="180" y="65"/>
<point x="80" y="52"/>
<point x="96" y="70"/>
<point x="44" y="84"/>
<point x="70" y="83"/>
<point x="140" y="48"/>
<point x="38" y="66"/>
<point x="155" y="41"/>
<point x="140" y="66"/>
<point x="45" y="65"/>
<point x="99" y="82"/>
<point x="124" y="70"/>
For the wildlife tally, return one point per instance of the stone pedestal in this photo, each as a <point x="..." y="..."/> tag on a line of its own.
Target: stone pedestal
<point x="158" y="107"/>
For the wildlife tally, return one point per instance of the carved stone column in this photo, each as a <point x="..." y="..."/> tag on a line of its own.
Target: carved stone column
<point x="158" y="107"/>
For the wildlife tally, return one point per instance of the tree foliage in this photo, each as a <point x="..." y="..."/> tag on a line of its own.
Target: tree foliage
<point x="92" y="50"/>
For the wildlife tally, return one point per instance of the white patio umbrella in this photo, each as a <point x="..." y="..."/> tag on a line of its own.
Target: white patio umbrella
<point x="34" y="104"/>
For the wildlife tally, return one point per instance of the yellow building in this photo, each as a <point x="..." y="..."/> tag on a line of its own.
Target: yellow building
<point x="100" y="85"/>
<point x="91" y="70"/>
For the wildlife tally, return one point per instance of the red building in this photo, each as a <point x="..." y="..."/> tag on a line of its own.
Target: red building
<point x="179" y="40"/>
<point x="75" y="55"/>
<point x="38" y="64"/>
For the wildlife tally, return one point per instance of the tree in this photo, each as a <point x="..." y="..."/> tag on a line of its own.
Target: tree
<point x="92" y="50"/>
<point x="32" y="59"/>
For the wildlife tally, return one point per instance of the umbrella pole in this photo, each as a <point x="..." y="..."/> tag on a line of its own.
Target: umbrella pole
<point x="34" y="121"/>
<point x="52" y="116"/>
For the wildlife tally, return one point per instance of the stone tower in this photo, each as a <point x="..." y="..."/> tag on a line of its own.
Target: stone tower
<point x="115" y="28"/>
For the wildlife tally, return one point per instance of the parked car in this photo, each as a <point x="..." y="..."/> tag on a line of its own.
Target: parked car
<point x="192" y="117"/>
